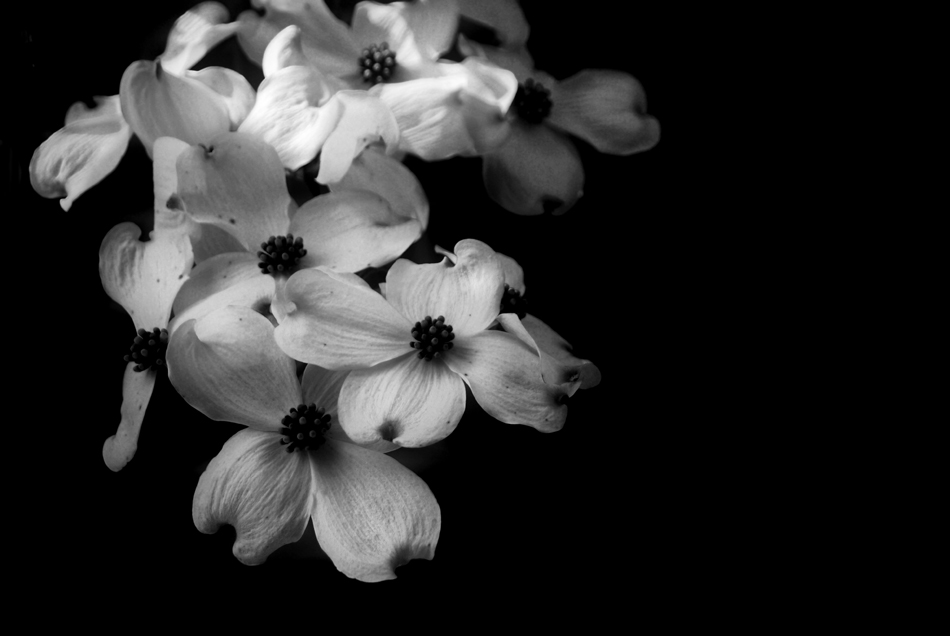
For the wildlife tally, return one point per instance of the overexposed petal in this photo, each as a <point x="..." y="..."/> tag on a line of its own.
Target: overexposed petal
<point x="144" y="277"/>
<point x="537" y="170"/>
<point x="409" y="401"/>
<point x="359" y="120"/>
<point x="376" y="172"/>
<point x="372" y="514"/>
<point x="351" y="230"/>
<point x="157" y="103"/>
<point x="607" y="109"/>
<point x="195" y="33"/>
<point x="254" y="485"/>
<point x="228" y="366"/>
<point x="137" y="388"/>
<point x="468" y="293"/>
<point x="504" y="374"/>
<point x="236" y="183"/>
<point x="339" y="322"/>
<point x="235" y="92"/>
<point x="81" y="154"/>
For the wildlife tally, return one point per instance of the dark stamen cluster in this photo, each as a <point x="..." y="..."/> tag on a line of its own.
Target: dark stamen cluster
<point x="513" y="303"/>
<point x="377" y="63"/>
<point x="433" y="337"/>
<point x="532" y="101"/>
<point x="304" y="428"/>
<point x="279" y="254"/>
<point x="148" y="349"/>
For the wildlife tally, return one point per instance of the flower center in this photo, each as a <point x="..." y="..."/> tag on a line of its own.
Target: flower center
<point x="532" y="101"/>
<point x="377" y="63"/>
<point x="433" y="337"/>
<point x="304" y="428"/>
<point x="148" y="349"/>
<point x="279" y="254"/>
<point x="513" y="303"/>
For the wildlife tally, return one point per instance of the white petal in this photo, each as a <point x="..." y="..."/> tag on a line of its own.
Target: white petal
<point x="254" y="485"/>
<point x="235" y="92"/>
<point x="195" y="33"/>
<point x="338" y="322"/>
<point x="433" y="24"/>
<point x="360" y="119"/>
<point x="504" y="374"/>
<point x="81" y="154"/>
<point x="351" y="230"/>
<point x="228" y="366"/>
<point x="143" y="277"/>
<point x="137" y="388"/>
<point x="283" y="51"/>
<point x="468" y="293"/>
<point x="514" y="274"/>
<point x="376" y="172"/>
<point x="408" y="401"/>
<point x="372" y="514"/>
<point x="559" y="364"/>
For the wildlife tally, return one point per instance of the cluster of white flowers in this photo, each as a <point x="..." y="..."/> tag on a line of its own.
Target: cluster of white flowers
<point x="257" y="304"/>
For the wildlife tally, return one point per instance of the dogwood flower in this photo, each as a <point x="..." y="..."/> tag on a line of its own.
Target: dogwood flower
<point x="412" y="353"/>
<point x="369" y="513"/>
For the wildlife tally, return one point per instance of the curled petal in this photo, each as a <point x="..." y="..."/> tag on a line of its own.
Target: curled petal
<point x="338" y="322"/>
<point x="607" y="109"/>
<point x="236" y="183"/>
<point x="235" y="92"/>
<point x="504" y="374"/>
<point x="288" y="114"/>
<point x="514" y="274"/>
<point x="283" y="51"/>
<point x="143" y="277"/>
<point x="351" y="230"/>
<point x="137" y="388"/>
<point x="468" y="293"/>
<point x="195" y="33"/>
<point x="254" y="485"/>
<point x="228" y="366"/>
<point x="408" y="401"/>
<point x="157" y="104"/>
<point x="359" y="120"/>
<point x="81" y="154"/>
<point x="558" y="363"/>
<point x="372" y="514"/>
<point x="504" y="16"/>
<point x="376" y="172"/>
<point x="537" y="170"/>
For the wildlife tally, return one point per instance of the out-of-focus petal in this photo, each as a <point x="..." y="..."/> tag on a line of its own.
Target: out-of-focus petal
<point x="514" y="274"/>
<point x="137" y="388"/>
<point x="372" y="514"/>
<point x="338" y="322"/>
<point x="228" y="366"/>
<point x="143" y="277"/>
<point x="254" y="485"/>
<point x="467" y="293"/>
<point x="607" y="109"/>
<point x="537" y="170"/>
<point x="236" y="183"/>
<point x="351" y="230"/>
<point x="504" y="16"/>
<point x="225" y="279"/>
<point x="433" y="24"/>
<point x="504" y="374"/>
<point x="408" y="401"/>
<point x="517" y="60"/>
<point x="288" y="114"/>
<point x="359" y="119"/>
<point x="159" y="104"/>
<point x="195" y="33"/>
<point x="559" y="365"/>
<point x="376" y="172"/>
<point x="235" y="92"/>
<point x="81" y="154"/>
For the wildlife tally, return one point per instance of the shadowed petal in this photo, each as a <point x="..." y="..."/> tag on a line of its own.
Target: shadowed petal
<point x="137" y="388"/>
<point x="195" y="33"/>
<point x="468" y="293"/>
<point x="254" y="485"/>
<point x="372" y="514"/>
<point x="433" y="24"/>
<point x="409" y="401"/>
<point x="504" y="374"/>
<point x="339" y="322"/>
<point x="376" y="172"/>
<point x="351" y="230"/>
<point x="359" y="120"/>
<point x="228" y="366"/>
<point x="235" y="92"/>
<point x="504" y="16"/>
<point x="535" y="171"/>
<point x="514" y="274"/>
<point x="607" y="109"/>
<point x="81" y="154"/>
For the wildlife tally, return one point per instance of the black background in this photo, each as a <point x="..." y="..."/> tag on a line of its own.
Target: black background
<point x="607" y="513"/>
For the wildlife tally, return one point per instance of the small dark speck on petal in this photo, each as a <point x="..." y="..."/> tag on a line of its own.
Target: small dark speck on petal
<point x="233" y="222"/>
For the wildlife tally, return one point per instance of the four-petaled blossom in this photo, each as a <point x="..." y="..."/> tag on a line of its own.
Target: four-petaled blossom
<point x="413" y="351"/>
<point x="292" y="465"/>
